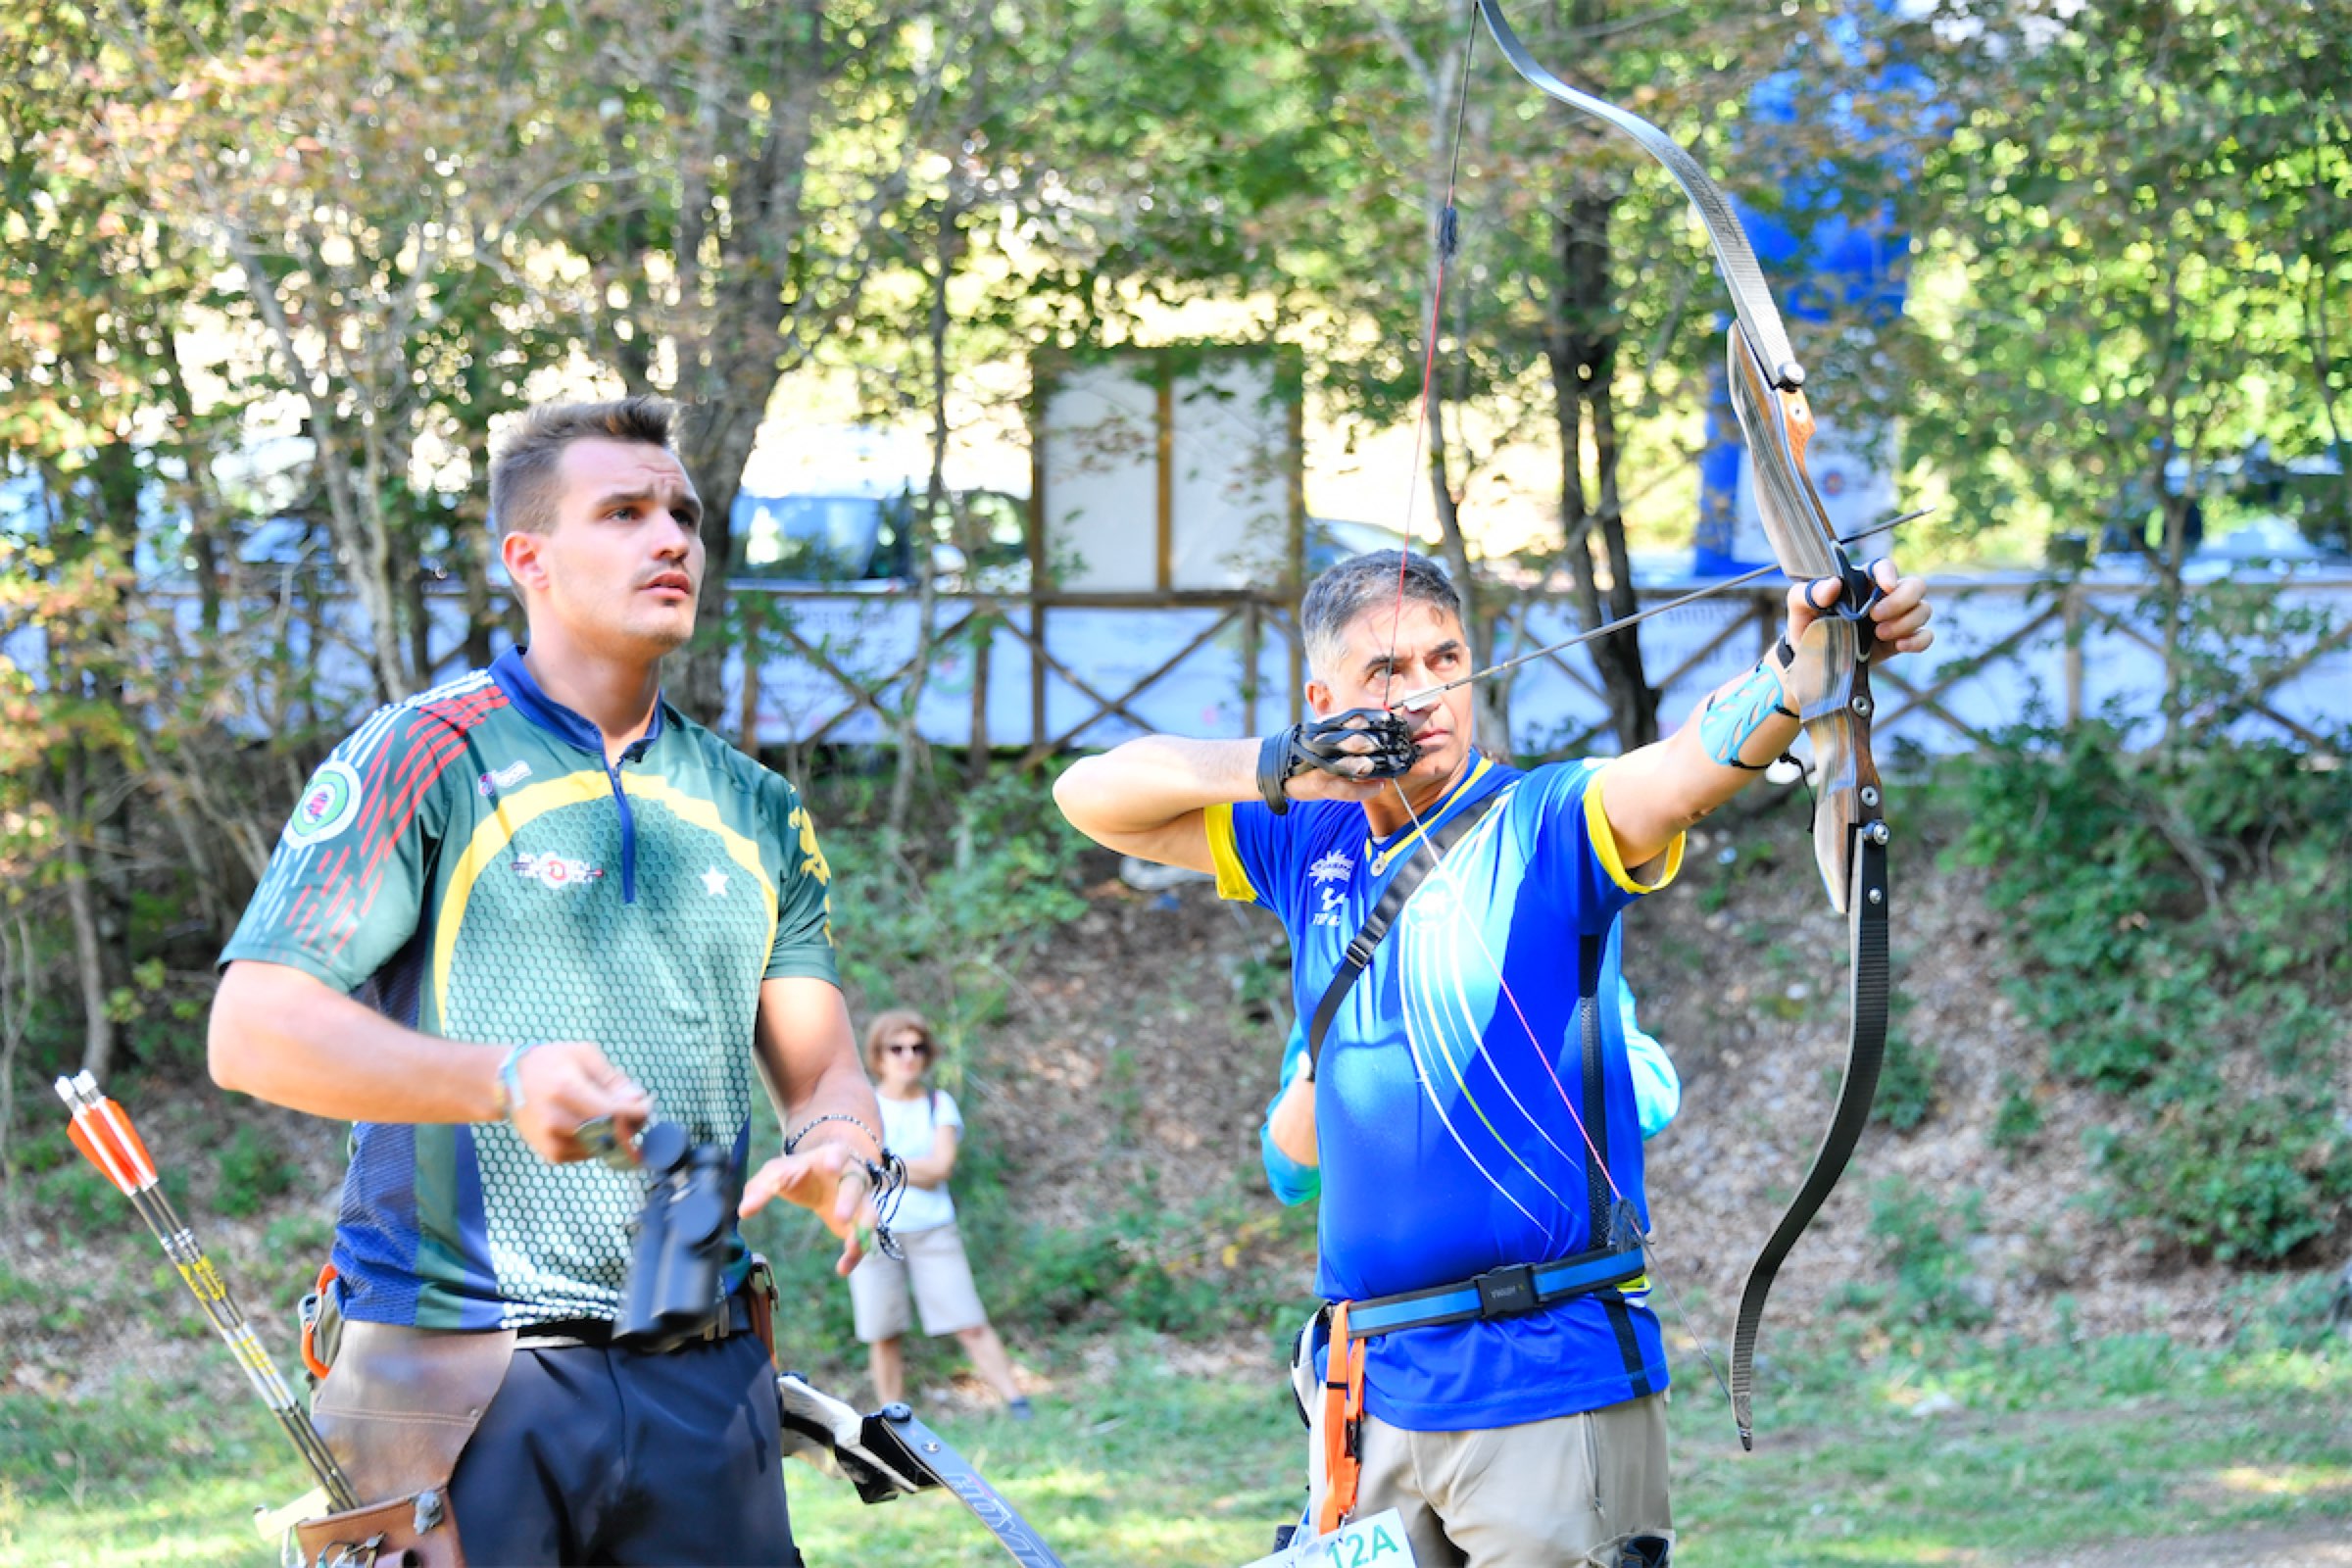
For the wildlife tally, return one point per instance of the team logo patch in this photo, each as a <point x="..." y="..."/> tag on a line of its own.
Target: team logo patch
<point x="329" y="804"/>
<point x="1333" y="867"/>
<point x="553" y="870"/>
<point x="1435" y="905"/>
<point x="503" y="778"/>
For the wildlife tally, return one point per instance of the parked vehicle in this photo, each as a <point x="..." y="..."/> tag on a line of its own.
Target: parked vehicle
<point x="868" y="539"/>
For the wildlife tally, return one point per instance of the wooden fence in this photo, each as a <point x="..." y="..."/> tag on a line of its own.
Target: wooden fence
<point x="1039" y="676"/>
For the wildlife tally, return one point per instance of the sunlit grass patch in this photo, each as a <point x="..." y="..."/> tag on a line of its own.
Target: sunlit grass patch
<point x="1985" y="1457"/>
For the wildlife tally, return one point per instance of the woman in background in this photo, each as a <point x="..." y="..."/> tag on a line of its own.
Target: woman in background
<point x="921" y="1125"/>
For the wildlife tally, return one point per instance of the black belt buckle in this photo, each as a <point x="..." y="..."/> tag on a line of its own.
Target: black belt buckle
<point x="1507" y="1292"/>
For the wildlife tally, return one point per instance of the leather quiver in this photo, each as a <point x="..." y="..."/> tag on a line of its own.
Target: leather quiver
<point x="397" y="1410"/>
<point x="404" y="1533"/>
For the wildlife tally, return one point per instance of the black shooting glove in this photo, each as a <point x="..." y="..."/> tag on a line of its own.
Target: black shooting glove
<point x="1334" y="745"/>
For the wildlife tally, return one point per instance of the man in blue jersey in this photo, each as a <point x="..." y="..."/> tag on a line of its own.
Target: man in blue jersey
<point x="1473" y="1108"/>
<point x="531" y="899"/>
<point x="1286" y="1138"/>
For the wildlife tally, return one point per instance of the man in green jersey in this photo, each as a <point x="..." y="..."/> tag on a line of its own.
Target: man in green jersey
<point x="528" y="898"/>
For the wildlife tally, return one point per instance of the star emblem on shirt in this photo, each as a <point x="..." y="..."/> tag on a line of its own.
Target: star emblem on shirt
<point x="714" y="882"/>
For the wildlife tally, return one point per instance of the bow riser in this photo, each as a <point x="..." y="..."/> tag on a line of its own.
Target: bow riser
<point x="1833" y="658"/>
<point x="1846" y="798"/>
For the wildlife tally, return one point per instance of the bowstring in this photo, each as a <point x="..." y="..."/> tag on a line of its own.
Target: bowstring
<point x="1652" y="1258"/>
<point x="1448" y="242"/>
<point x="1450" y="235"/>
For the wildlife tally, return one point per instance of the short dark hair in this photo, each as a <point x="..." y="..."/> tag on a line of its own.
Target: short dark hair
<point x="1334" y="600"/>
<point x="522" y="492"/>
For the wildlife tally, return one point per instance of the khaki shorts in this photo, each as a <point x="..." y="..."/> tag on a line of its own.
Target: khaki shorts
<point x="1567" y="1492"/>
<point x="942" y="1286"/>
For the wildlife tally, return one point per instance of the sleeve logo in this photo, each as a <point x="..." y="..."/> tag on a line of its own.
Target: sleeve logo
<point x="329" y="804"/>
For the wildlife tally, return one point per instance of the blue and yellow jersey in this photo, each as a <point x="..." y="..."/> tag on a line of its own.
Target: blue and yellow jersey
<point x="1450" y="1111"/>
<point x="468" y="864"/>
<point x="1658" y="1088"/>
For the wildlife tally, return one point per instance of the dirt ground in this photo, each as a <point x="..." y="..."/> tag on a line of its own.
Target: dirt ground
<point x="2260" y="1548"/>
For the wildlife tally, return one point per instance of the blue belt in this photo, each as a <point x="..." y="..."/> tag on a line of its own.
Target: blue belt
<point x="1513" y="1290"/>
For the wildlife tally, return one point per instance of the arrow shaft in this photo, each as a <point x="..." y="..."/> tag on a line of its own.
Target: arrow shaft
<point x="110" y="1142"/>
<point x="1606" y="628"/>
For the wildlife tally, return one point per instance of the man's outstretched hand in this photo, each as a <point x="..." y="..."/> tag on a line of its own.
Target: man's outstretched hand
<point x="830" y="1181"/>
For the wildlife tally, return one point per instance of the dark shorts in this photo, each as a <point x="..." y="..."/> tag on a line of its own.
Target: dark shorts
<point x="612" y="1457"/>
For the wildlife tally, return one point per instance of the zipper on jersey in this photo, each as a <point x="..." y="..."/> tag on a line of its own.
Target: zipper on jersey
<point x="628" y="836"/>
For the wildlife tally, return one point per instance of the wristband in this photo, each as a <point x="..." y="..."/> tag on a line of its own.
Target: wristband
<point x="510" y="1081"/>
<point x="1330" y="745"/>
<point x="1274" y="771"/>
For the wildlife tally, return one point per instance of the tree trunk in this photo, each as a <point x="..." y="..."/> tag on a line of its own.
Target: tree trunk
<point x="420" y="622"/>
<point x="913" y="755"/>
<point x="981" y="628"/>
<point x="482" y="614"/>
<point x="2176" y="556"/>
<point x="1582" y="348"/>
<point x="89" y="963"/>
<point x="729" y="331"/>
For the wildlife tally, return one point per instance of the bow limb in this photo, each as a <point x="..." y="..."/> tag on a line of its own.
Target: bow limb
<point x="1849" y="833"/>
<point x="1767" y="386"/>
<point x="1751" y="301"/>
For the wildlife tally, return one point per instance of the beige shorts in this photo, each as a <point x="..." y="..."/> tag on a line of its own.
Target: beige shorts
<point x="1567" y="1492"/>
<point x="941" y="1279"/>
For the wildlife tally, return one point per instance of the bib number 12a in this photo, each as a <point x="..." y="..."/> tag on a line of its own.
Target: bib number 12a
<point x="1375" y="1543"/>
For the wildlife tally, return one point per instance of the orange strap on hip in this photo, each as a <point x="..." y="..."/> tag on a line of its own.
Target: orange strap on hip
<point x="1343" y="1422"/>
<point x="309" y="1325"/>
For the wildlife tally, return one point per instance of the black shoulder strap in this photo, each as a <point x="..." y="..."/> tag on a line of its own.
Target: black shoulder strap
<point x="1367" y="938"/>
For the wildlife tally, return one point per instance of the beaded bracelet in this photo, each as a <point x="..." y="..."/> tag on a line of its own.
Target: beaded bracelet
<point x="792" y="1141"/>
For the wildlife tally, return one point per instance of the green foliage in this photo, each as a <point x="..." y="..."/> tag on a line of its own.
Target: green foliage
<point x="945" y="931"/>
<point x="2018" y="1117"/>
<point x="253" y="1170"/>
<point x="2185" y="917"/>
<point x="1927" y="1241"/>
<point x="1906" y="1080"/>
<point x="300" y="1235"/>
<point x="2087" y="331"/>
<point x="77" y="1192"/>
<point x="2233" y="1174"/>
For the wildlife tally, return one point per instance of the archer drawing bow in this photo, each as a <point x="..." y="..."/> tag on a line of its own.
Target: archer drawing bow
<point x="1849" y="827"/>
<point x="103" y="1131"/>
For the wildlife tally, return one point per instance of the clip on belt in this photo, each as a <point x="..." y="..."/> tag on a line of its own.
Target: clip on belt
<point x="1513" y="1290"/>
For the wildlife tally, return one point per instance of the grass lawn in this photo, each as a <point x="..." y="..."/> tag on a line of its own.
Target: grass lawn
<point x="1990" y="1456"/>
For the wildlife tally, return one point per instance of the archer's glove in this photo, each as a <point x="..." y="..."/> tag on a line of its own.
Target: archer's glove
<point x="1371" y="736"/>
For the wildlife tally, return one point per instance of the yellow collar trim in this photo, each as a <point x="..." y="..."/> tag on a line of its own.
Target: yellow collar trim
<point x="1377" y="862"/>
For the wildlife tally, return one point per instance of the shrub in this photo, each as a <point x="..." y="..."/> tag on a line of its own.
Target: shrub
<point x="2187" y="924"/>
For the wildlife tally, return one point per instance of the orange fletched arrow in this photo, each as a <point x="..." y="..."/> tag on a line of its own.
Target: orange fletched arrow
<point x="103" y="1131"/>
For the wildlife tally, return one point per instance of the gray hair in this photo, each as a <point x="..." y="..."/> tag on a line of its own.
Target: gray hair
<point x="1336" y="599"/>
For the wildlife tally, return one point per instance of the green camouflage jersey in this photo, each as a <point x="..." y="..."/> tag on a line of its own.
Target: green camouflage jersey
<point x="466" y="863"/>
